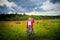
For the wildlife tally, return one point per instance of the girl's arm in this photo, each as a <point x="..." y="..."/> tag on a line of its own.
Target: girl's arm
<point x="27" y="25"/>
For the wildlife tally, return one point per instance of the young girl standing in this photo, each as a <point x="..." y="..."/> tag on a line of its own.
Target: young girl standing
<point x="29" y="26"/>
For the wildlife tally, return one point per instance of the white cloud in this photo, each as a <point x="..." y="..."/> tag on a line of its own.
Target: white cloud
<point x="9" y="4"/>
<point x="47" y="5"/>
<point x="50" y="6"/>
<point x="43" y="13"/>
<point x="53" y="9"/>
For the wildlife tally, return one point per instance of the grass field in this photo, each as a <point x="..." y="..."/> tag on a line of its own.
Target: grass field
<point x="43" y="30"/>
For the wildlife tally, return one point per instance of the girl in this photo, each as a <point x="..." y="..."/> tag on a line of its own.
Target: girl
<point x="30" y="26"/>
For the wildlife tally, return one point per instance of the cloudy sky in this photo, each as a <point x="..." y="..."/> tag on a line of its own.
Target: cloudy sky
<point x="38" y="7"/>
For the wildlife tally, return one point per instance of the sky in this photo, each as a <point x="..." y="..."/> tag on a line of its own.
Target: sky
<point x="30" y="7"/>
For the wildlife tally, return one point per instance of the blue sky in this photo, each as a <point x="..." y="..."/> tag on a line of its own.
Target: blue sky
<point x="28" y="6"/>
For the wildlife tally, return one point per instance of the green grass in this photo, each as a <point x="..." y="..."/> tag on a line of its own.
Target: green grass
<point x="43" y="30"/>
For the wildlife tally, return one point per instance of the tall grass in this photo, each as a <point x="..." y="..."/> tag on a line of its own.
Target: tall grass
<point x="43" y="30"/>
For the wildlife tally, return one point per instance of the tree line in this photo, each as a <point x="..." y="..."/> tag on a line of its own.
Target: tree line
<point x="20" y="17"/>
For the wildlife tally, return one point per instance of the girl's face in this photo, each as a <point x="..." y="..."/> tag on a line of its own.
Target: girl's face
<point x="29" y="19"/>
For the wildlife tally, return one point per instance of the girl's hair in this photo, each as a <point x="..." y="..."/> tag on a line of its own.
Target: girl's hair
<point x="29" y="18"/>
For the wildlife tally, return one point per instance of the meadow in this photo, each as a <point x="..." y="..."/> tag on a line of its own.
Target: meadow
<point x="43" y="30"/>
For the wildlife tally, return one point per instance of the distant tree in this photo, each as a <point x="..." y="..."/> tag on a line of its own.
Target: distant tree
<point x="24" y="13"/>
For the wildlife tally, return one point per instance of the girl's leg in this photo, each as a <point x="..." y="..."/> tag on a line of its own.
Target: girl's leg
<point x="29" y="28"/>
